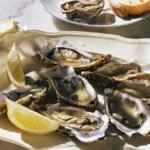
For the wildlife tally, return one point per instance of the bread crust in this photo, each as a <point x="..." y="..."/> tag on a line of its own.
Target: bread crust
<point x="123" y="9"/>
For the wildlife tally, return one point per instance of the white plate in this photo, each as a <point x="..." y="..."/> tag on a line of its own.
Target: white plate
<point x="129" y="49"/>
<point x="111" y="21"/>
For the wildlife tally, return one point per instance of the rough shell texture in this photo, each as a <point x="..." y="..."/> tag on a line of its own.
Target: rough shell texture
<point x="85" y="126"/>
<point x="139" y="82"/>
<point x="70" y="87"/>
<point x="131" y="115"/>
<point x="85" y="10"/>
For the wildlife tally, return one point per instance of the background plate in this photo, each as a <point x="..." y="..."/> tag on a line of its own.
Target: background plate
<point x="128" y="49"/>
<point x="53" y="7"/>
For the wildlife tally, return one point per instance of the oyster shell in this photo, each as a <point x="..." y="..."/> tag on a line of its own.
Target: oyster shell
<point x="82" y="10"/>
<point x="70" y="87"/>
<point x="131" y="116"/>
<point x="117" y="69"/>
<point x="85" y="126"/>
<point x="139" y="82"/>
<point x="108" y="75"/>
<point x="35" y="96"/>
<point x="65" y="53"/>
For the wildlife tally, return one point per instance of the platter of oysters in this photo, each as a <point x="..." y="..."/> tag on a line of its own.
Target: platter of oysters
<point x="98" y="13"/>
<point x="62" y="90"/>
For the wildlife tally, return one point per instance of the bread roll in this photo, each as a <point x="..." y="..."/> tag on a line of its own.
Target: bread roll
<point x="125" y="8"/>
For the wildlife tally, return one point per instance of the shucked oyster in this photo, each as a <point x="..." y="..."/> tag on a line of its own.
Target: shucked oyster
<point x="85" y="126"/>
<point x="70" y="87"/>
<point x="139" y="82"/>
<point x="127" y="112"/>
<point x="108" y="75"/>
<point x="82" y="10"/>
<point x="118" y="69"/>
<point x="36" y="95"/>
<point x="64" y="53"/>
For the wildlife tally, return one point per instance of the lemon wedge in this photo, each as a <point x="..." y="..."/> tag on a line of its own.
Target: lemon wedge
<point x="28" y="120"/>
<point x="14" y="68"/>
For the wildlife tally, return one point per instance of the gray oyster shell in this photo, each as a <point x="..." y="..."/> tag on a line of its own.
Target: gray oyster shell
<point x="127" y="112"/>
<point x="70" y="87"/>
<point x="85" y="126"/>
<point x="139" y="82"/>
<point x="82" y="10"/>
<point x="110" y="74"/>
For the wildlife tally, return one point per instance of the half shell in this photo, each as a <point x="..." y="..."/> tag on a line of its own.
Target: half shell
<point x="127" y="112"/>
<point x="84" y="10"/>
<point x="85" y="126"/>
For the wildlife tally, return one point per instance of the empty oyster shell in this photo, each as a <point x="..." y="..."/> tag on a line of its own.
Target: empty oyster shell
<point x="84" y="10"/>
<point x="131" y="116"/>
<point x="85" y="126"/>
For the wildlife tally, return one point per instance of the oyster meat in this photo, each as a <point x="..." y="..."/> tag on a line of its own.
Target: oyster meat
<point x="110" y="74"/>
<point x="139" y="82"/>
<point x="131" y="116"/>
<point x="85" y="126"/>
<point x="78" y="59"/>
<point x="117" y="69"/>
<point x="70" y="87"/>
<point x="83" y="10"/>
<point x="35" y="96"/>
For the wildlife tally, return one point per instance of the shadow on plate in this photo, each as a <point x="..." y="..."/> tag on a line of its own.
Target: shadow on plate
<point x="136" y="30"/>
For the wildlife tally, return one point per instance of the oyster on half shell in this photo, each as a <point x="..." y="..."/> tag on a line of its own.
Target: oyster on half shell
<point x="139" y="82"/>
<point x="85" y="126"/>
<point x="109" y="74"/>
<point x="84" y="10"/>
<point x="66" y="54"/>
<point x="70" y="87"/>
<point x="127" y="112"/>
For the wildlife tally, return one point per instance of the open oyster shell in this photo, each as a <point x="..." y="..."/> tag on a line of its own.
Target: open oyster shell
<point x="127" y="112"/>
<point x="108" y="75"/>
<point x="118" y="69"/>
<point x="85" y="126"/>
<point x="84" y="10"/>
<point x="70" y="87"/>
<point x="139" y="82"/>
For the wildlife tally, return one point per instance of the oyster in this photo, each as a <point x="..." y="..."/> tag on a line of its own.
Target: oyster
<point x="85" y="126"/>
<point x="83" y="10"/>
<point x="70" y="87"/>
<point x="117" y="69"/>
<point x="131" y="116"/>
<point x="139" y="82"/>
<point x="80" y="60"/>
<point x="108" y="75"/>
<point x="35" y="96"/>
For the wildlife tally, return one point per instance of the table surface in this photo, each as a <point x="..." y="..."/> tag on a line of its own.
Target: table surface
<point x="31" y="14"/>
